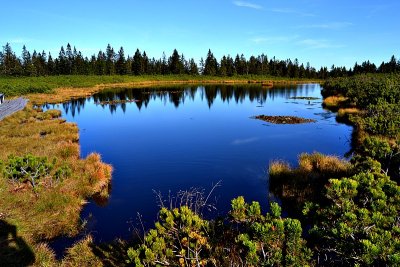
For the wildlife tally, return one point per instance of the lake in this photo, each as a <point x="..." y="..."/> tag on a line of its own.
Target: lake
<point x="176" y="138"/>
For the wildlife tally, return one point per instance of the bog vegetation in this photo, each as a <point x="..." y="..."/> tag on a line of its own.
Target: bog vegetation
<point x="352" y="208"/>
<point x="43" y="184"/>
<point x="343" y="213"/>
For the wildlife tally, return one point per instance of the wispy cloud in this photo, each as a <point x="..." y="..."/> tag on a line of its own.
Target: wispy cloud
<point x="247" y="4"/>
<point x="19" y="41"/>
<point x="245" y="141"/>
<point x="318" y="44"/>
<point x="273" y="39"/>
<point x="328" y="26"/>
<point x="291" y="11"/>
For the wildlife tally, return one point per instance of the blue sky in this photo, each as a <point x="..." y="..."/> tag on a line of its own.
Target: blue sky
<point x="321" y="32"/>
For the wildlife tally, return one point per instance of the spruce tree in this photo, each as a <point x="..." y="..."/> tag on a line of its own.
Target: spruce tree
<point x="175" y="64"/>
<point x="50" y="65"/>
<point x="10" y="62"/>
<point x="110" y="60"/>
<point x="120" y="65"/>
<point x="211" y="65"/>
<point x="26" y="62"/>
<point x="137" y="68"/>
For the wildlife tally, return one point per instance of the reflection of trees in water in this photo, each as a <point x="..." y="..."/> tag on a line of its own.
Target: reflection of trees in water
<point x="117" y="98"/>
<point x="74" y="106"/>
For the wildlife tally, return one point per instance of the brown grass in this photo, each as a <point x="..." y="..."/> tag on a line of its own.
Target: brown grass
<point x="323" y="164"/>
<point x="334" y="102"/>
<point x="86" y="253"/>
<point x="54" y="208"/>
<point x="81" y="254"/>
<point x="345" y="112"/>
<point x="305" y="183"/>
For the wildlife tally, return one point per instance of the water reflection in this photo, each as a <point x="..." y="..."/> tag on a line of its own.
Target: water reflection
<point x="115" y="99"/>
<point x="176" y="138"/>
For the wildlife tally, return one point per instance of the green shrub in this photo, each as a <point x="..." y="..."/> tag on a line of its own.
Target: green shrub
<point x="27" y="168"/>
<point x="360" y="223"/>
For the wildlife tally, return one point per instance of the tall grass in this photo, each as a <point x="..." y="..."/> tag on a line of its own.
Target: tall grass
<point x="306" y="182"/>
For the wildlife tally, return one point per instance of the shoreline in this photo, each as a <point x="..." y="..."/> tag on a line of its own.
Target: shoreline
<point x="33" y="122"/>
<point x="64" y="94"/>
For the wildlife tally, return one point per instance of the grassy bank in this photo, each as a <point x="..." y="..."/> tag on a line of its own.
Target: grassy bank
<point x="33" y="213"/>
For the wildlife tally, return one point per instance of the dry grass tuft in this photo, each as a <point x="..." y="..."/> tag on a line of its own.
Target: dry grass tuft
<point x="98" y="173"/>
<point x="295" y="185"/>
<point x="323" y="164"/>
<point x="81" y="254"/>
<point x="334" y="102"/>
<point x="44" y="255"/>
<point x="344" y="113"/>
<point x="279" y="168"/>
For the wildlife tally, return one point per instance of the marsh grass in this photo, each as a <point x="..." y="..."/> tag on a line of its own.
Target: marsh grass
<point x="81" y="254"/>
<point x="306" y="182"/>
<point x="53" y="208"/>
<point x="345" y="115"/>
<point x="345" y="112"/>
<point x="335" y="102"/>
<point x="86" y="253"/>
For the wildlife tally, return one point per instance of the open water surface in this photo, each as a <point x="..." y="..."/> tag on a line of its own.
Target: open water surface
<point x="177" y="138"/>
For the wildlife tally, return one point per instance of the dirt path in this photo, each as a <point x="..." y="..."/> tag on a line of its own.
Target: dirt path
<point x="11" y="106"/>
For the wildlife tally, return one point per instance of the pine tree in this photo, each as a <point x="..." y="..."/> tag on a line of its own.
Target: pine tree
<point x="201" y="70"/>
<point x="50" y="65"/>
<point x="110" y="60"/>
<point x="164" y="64"/>
<point x="241" y="65"/>
<point x="137" y="63"/>
<point x="100" y="64"/>
<point x="211" y="65"/>
<point x="193" y="69"/>
<point x="230" y="66"/>
<point x="69" y="59"/>
<point x="61" y="64"/>
<point x="39" y="63"/>
<point x="11" y="64"/>
<point x="254" y="66"/>
<point x="120" y="65"/>
<point x="145" y="63"/>
<point x="223" y="67"/>
<point x="26" y="62"/>
<point x="175" y="64"/>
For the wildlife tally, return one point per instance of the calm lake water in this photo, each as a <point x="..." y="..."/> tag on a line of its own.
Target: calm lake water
<point x="177" y="138"/>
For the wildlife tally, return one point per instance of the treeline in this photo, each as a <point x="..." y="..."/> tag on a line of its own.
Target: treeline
<point x="392" y="66"/>
<point x="70" y="61"/>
